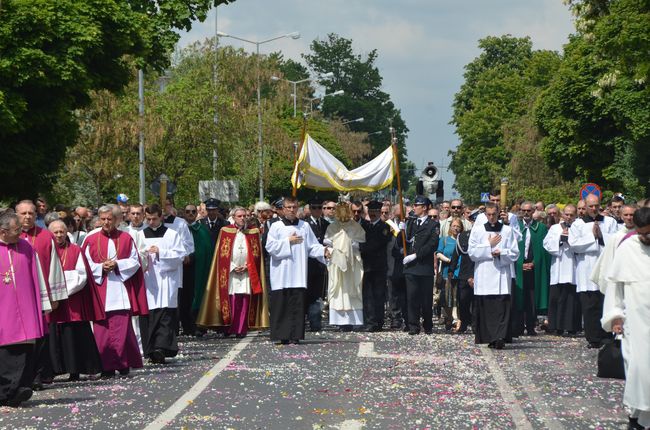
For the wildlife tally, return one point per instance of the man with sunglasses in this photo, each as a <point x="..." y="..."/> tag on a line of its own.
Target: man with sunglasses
<point x="422" y="242"/>
<point x="456" y="211"/>
<point x="531" y="294"/>
<point x="328" y="210"/>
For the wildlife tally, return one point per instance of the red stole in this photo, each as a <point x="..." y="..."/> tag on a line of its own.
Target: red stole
<point x="41" y="240"/>
<point x="84" y="305"/>
<point x="97" y="245"/>
<point x="253" y="266"/>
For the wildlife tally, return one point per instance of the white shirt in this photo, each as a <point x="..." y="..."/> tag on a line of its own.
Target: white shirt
<point x="162" y="280"/>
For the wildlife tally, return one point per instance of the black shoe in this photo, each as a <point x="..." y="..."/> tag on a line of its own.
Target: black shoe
<point x="108" y="374"/>
<point x="395" y="326"/>
<point x="414" y="332"/>
<point x="531" y="332"/>
<point x="240" y="335"/>
<point x="74" y="377"/>
<point x="345" y="328"/>
<point x="633" y="424"/>
<point x="366" y="329"/>
<point x="125" y="372"/>
<point x="499" y="344"/>
<point x="283" y="342"/>
<point x="295" y="341"/>
<point x="428" y="331"/>
<point x="22" y="395"/>
<point x="37" y="386"/>
<point x="157" y="356"/>
<point x="405" y="329"/>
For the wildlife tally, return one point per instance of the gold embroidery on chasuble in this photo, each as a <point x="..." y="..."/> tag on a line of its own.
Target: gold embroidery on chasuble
<point x="225" y="247"/>
<point x="223" y="281"/>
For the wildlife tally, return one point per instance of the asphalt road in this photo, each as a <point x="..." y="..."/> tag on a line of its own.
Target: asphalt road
<point x="387" y="380"/>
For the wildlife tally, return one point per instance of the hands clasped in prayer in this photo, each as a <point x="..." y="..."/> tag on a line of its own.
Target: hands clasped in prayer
<point x="109" y="265"/>
<point x="494" y="241"/>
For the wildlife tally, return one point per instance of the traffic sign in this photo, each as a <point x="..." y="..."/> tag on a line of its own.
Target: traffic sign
<point x="485" y="197"/>
<point x="590" y="188"/>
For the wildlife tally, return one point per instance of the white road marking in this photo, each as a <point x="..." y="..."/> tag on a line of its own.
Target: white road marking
<point x="184" y="401"/>
<point x="516" y="412"/>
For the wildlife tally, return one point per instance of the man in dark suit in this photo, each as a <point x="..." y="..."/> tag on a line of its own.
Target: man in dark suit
<point x="375" y="265"/>
<point x="213" y="221"/>
<point x="422" y="241"/>
<point x="316" y="271"/>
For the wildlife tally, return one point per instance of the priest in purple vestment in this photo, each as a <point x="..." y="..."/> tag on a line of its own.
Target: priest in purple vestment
<point x="23" y="299"/>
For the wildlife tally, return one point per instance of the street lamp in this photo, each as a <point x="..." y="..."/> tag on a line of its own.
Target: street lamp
<point x="375" y="133"/>
<point x="352" y="120"/>
<point x="257" y="43"/>
<point x="312" y="100"/>
<point x="295" y="83"/>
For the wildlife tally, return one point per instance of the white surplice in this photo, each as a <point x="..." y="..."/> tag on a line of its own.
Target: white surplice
<point x="289" y="262"/>
<point x="629" y="299"/>
<point x="587" y="249"/>
<point x="563" y="266"/>
<point x="239" y="283"/>
<point x="345" y="273"/>
<point x="492" y="275"/>
<point x="117" y="298"/>
<point x="181" y="227"/>
<point x="162" y="280"/>
<point x="75" y="280"/>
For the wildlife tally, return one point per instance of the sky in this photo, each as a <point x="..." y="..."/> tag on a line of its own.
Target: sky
<point x="422" y="45"/>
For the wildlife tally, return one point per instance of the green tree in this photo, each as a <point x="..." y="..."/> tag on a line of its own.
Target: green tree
<point x="53" y="54"/>
<point x="500" y="86"/>
<point x="601" y="127"/>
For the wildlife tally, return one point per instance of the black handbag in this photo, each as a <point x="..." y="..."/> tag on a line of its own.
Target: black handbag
<point x="610" y="360"/>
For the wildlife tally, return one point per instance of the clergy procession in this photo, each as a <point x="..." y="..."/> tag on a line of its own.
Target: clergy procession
<point x="255" y="214"/>
<point x="86" y="297"/>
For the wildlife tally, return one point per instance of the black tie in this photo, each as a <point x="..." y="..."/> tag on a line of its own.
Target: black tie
<point x="419" y="222"/>
<point x="211" y="225"/>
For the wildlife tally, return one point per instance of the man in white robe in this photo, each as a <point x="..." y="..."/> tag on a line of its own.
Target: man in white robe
<point x="587" y="238"/>
<point x="180" y="226"/>
<point x="345" y="271"/>
<point x="290" y="242"/>
<point x="162" y="281"/>
<point x="134" y="228"/>
<point x="494" y="248"/>
<point x="563" y="307"/>
<point x="627" y="312"/>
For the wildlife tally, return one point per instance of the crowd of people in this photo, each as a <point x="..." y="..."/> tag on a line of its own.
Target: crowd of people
<point x="97" y="291"/>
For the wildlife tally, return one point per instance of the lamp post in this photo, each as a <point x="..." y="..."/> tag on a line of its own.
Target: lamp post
<point x="295" y="84"/>
<point x="312" y="100"/>
<point x="352" y="120"/>
<point x="257" y="43"/>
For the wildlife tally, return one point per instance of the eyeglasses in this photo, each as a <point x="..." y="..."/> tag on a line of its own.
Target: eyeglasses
<point x="434" y="216"/>
<point x="329" y="207"/>
<point x="526" y="210"/>
<point x="190" y="211"/>
<point x="456" y="207"/>
<point x="385" y="213"/>
<point x="357" y="211"/>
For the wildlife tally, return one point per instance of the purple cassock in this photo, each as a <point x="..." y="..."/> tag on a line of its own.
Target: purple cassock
<point x="20" y="294"/>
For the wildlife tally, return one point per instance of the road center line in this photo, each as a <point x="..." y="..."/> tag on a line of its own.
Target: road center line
<point x="175" y="409"/>
<point x="514" y="409"/>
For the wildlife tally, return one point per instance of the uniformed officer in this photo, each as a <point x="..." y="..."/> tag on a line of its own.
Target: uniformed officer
<point x="422" y="241"/>
<point x="375" y="266"/>
<point x="213" y="221"/>
<point x="316" y="271"/>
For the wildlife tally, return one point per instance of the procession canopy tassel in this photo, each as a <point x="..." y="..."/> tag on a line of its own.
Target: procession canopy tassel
<point x="393" y="140"/>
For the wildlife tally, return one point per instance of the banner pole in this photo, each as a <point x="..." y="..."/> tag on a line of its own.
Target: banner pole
<point x="294" y="190"/>
<point x="393" y="142"/>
